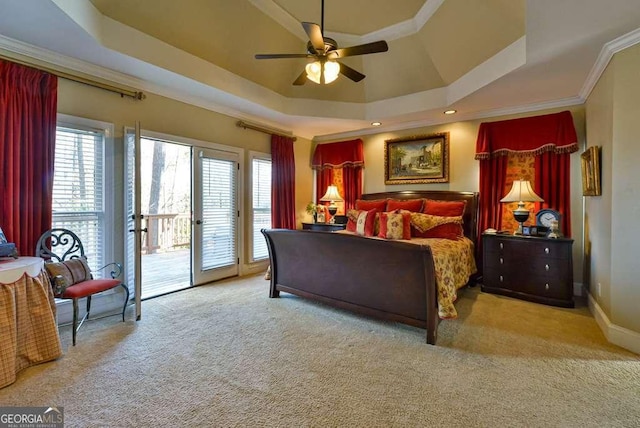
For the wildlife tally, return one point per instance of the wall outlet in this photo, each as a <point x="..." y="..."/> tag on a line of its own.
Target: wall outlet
<point x="599" y="290"/>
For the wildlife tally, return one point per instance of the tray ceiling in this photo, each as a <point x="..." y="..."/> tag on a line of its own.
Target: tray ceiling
<point x="480" y="57"/>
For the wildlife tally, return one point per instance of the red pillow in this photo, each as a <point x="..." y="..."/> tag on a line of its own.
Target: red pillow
<point x="414" y="205"/>
<point x="443" y="209"/>
<point x="395" y="225"/>
<point x="361" y="222"/>
<point x="377" y="204"/>
<point x="432" y="226"/>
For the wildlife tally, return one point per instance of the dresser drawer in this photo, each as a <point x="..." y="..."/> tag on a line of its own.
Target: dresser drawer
<point x="525" y="247"/>
<point x="552" y="288"/>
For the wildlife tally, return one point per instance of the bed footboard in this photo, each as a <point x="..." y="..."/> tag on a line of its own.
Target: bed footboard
<point x="390" y="280"/>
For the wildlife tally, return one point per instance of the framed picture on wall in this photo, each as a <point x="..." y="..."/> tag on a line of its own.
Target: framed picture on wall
<point x="590" y="160"/>
<point x="418" y="159"/>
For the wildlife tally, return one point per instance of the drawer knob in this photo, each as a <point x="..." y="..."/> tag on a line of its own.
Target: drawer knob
<point x="501" y="245"/>
<point x="501" y="278"/>
<point x="546" y="250"/>
<point x="501" y="260"/>
<point x="546" y="286"/>
<point x="546" y="267"/>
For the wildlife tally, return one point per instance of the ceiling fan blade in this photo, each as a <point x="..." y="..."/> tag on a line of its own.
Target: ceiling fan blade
<point x="277" y="56"/>
<point x="302" y="79"/>
<point x="352" y="74"/>
<point x="367" y="48"/>
<point x="315" y="36"/>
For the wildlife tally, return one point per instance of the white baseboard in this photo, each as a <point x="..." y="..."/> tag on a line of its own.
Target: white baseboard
<point x="615" y="334"/>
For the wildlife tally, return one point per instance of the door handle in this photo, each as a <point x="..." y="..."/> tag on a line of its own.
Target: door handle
<point x="198" y="221"/>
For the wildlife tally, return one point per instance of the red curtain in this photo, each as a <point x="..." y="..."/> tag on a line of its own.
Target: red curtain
<point x="550" y="138"/>
<point x="352" y="187"/>
<point x="492" y="179"/>
<point x="28" y="103"/>
<point x="530" y="135"/>
<point x="324" y="178"/>
<point x="345" y="155"/>
<point x="283" y="183"/>
<point x="556" y="191"/>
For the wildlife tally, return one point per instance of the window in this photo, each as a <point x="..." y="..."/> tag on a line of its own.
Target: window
<point x="79" y="188"/>
<point x="261" y="203"/>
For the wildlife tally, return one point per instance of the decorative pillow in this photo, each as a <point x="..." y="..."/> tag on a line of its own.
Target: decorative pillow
<point x="65" y="274"/>
<point x="395" y="225"/>
<point x="361" y="222"/>
<point x="377" y="204"/>
<point x="444" y="208"/>
<point x="432" y="226"/>
<point x="414" y="205"/>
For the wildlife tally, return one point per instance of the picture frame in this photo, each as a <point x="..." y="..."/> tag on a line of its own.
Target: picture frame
<point x="417" y="159"/>
<point x="526" y="230"/>
<point x="590" y="161"/>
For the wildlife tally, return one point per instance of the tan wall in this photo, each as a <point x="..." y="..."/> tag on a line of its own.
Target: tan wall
<point x="464" y="169"/>
<point x="613" y="110"/>
<point x="597" y="263"/>
<point x="160" y="114"/>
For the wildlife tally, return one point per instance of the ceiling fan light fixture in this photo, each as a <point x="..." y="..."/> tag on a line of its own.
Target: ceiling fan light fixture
<point x="315" y="69"/>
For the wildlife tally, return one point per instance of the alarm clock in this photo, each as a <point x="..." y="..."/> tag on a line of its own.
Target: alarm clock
<point x="549" y="218"/>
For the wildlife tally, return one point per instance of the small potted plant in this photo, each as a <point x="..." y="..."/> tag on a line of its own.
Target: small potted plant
<point x="313" y="210"/>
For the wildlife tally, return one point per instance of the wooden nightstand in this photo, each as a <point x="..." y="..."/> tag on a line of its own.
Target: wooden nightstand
<point x="323" y="227"/>
<point x="530" y="268"/>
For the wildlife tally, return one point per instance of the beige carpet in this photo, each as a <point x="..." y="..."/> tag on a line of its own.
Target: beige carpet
<point x="227" y="355"/>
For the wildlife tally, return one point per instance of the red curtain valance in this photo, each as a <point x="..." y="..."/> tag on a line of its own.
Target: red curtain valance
<point x="529" y="136"/>
<point x="339" y="155"/>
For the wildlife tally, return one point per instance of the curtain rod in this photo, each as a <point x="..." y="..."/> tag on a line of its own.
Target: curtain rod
<point x="123" y="92"/>
<point x="246" y="125"/>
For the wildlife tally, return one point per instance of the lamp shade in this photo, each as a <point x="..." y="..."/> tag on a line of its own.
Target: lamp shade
<point x="315" y="70"/>
<point x="332" y="195"/>
<point x="521" y="192"/>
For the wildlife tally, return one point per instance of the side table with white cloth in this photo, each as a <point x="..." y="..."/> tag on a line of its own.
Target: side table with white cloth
<point x="28" y="329"/>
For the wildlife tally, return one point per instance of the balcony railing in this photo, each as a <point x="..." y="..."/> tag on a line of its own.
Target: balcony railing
<point x="166" y="232"/>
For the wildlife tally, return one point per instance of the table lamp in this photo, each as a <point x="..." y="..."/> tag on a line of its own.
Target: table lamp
<point x="521" y="192"/>
<point x="332" y="196"/>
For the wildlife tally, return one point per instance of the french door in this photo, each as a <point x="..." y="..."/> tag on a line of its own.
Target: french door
<point x="133" y="221"/>
<point x="213" y="222"/>
<point x="216" y="213"/>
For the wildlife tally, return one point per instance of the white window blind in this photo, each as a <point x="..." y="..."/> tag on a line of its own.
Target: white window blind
<point x="261" y="210"/>
<point x="219" y="212"/>
<point x="78" y="188"/>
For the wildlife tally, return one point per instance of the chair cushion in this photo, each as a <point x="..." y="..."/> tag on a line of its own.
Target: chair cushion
<point x="87" y="288"/>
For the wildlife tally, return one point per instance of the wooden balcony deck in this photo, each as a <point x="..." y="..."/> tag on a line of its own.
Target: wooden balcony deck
<point x="165" y="272"/>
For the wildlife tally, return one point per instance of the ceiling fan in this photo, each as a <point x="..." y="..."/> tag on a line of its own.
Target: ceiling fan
<point x="324" y="50"/>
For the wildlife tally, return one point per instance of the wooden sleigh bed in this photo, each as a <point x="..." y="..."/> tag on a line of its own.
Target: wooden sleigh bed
<point x="393" y="280"/>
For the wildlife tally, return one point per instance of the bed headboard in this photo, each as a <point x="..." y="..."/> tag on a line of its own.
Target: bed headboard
<point x="470" y="216"/>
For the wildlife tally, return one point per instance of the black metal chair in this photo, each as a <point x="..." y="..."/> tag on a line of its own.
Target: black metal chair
<point x="70" y="275"/>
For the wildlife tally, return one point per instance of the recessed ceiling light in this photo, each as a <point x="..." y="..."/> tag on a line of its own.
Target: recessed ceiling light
<point x="376" y="123"/>
<point x="450" y="111"/>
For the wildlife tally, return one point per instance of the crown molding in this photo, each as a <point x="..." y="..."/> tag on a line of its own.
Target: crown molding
<point x="392" y="32"/>
<point x="65" y="63"/>
<point x="606" y="53"/>
<point x="463" y="117"/>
